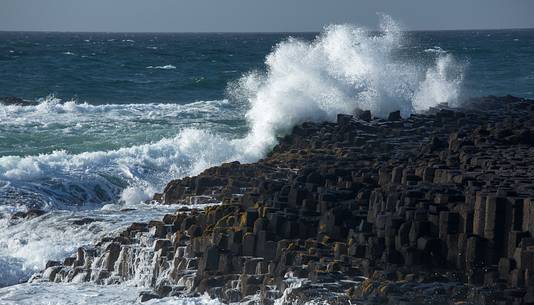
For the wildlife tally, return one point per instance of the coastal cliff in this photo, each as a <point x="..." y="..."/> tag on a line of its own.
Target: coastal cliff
<point x="437" y="208"/>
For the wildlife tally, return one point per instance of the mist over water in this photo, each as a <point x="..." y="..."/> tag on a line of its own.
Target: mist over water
<point x="133" y="112"/>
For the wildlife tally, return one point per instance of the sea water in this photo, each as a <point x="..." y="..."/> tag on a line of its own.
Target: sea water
<point x="119" y="115"/>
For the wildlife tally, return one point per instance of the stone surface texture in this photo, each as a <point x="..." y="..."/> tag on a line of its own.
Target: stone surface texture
<point x="437" y="208"/>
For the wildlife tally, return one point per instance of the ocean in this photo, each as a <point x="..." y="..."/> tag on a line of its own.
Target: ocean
<point x="113" y="117"/>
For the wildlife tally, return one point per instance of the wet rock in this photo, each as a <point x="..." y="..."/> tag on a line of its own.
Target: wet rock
<point x="210" y="259"/>
<point x="147" y="296"/>
<point x="112" y="254"/>
<point x="436" y="208"/>
<point x="364" y="115"/>
<point x="84" y="221"/>
<point x="394" y="116"/>
<point x="31" y="213"/>
<point x="16" y="101"/>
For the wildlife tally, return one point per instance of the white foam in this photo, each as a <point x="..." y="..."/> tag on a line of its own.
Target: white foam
<point x="68" y="180"/>
<point x="344" y="68"/>
<point x="435" y="49"/>
<point x="77" y="180"/>
<point x="26" y="245"/>
<point x="438" y="85"/>
<point x="86" y="294"/>
<point x="166" y="67"/>
<point x="52" y="110"/>
<point x="135" y="195"/>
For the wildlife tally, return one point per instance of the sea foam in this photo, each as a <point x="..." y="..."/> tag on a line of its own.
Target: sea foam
<point x="46" y="293"/>
<point x="74" y="181"/>
<point x="344" y="68"/>
<point x="166" y="67"/>
<point x="26" y="245"/>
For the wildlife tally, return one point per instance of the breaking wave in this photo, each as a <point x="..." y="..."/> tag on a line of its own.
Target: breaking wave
<point x="52" y="110"/>
<point x="344" y="68"/>
<point x="66" y="180"/>
<point x="63" y="180"/>
<point x="166" y="67"/>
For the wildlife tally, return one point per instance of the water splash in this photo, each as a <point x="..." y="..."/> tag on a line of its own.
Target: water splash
<point x="344" y="68"/>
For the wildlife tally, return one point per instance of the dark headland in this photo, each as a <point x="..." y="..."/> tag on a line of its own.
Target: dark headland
<point x="437" y="208"/>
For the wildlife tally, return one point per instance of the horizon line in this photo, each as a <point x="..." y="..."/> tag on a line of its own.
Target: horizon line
<point x="246" y="32"/>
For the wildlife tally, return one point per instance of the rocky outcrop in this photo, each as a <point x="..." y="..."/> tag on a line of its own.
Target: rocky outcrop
<point x="16" y="101"/>
<point x="437" y="208"/>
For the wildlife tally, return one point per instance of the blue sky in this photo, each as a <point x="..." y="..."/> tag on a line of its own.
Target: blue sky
<point x="258" y="15"/>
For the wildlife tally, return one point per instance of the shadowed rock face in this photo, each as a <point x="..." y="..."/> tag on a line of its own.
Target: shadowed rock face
<point x="15" y="101"/>
<point x="434" y="209"/>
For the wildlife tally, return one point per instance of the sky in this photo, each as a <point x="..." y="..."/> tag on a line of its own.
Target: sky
<point x="257" y="15"/>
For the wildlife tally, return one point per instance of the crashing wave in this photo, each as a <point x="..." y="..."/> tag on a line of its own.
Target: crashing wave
<point x="344" y="68"/>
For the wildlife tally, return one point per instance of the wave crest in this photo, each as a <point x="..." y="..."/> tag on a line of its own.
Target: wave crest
<point x="63" y="180"/>
<point x="344" y="68"/>
<point x="166" y="67"/>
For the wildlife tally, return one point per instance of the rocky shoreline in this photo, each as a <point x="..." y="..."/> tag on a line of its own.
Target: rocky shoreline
<point x="437" y="208"/>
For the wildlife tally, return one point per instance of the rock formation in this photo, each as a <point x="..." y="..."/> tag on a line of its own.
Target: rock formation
<point x="15" y="101"/>
<point x="437" y="208"/>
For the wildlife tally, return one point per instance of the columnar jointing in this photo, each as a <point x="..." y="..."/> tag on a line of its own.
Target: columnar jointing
<point x="437" y="208"/>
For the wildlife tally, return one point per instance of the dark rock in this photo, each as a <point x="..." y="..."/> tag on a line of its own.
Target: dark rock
<point x="364" y="115"/>
<point x="437" y="208"/>
<point x="147" y="296"/>
<point x="31" y="213"/>
<point x="84" y="221"/>
<point x="16" y="101"/>
<point x="394" y="116"/>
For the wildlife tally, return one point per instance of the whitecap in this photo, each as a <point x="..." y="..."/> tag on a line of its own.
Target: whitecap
<point x="166" y="67"/>
<point x="435" y="49"/>
<point x="65" y="180"/>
